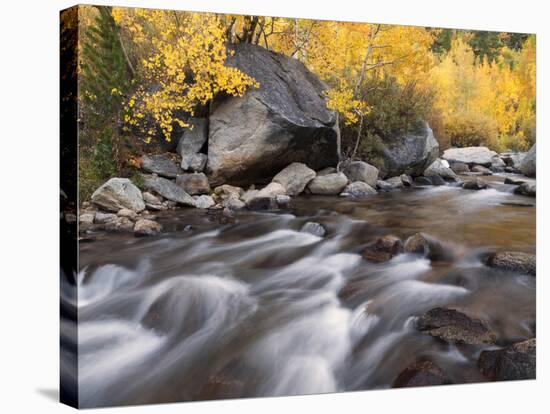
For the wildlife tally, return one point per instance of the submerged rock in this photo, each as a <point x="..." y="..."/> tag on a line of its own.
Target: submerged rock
<point x="358" y="189"/>
<point x="515" y="362"/>
<point x="481" y="170"/>
<point x="520" y="262"/>
<point x="361" y="171"/>
<point x="314" y="228"/>
<point x="295" y="178"/>
<point x="470" y="155"/>
<point x="383" y="249"/>
<point x="476" y="184"/>
<point x="418" y="374"/>
<point x="528" y="165"/>
<point x="453" y="327"/>
<point x="160" y="165"/>
<point x="284" y="120"/>
<point x="527" y="189"/>
<point x="118" y="193"/>
<point x="145" y="227"/>
<point x="330" y="184"/>
<point x="417" y="244"/>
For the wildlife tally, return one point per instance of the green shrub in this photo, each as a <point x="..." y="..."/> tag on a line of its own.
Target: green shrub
<point x="470" y="129"/>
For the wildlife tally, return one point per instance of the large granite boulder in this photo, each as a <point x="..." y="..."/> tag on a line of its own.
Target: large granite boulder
<point x="294" y="178"/>
<point x="118" y="193"/>
<point x="284" y="120"/>
<point x="168" y="189"/>
<point x="471" y="156"/>
<point x="409" y="153"/>
<point x="528" y="165"/>
<point x="361" y="171"/>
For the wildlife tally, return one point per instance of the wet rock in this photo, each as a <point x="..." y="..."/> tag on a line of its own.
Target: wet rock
<point x="145" y="227"/>
<point x="168" y="189"/>
<point x="282" y="200"/>
<point x="476" y="184"/>
<point x="481" y="170"/>
<point x="249" y="195"/>
<point x="395" y="182"/>
<point x="160" y="165"/>
<point x="422" y="181"/>
<point x="385" y="186"/>
<point x="358" y="189"/>
<point x="314" y="228"/>
<point x="233" y="203"/>
<point x="102" y="218"/>
<point x="527" y="189"/>
<point x="294" y="178"/>
<point x="194" y="162"/>
<point x="520" y="262"/>
<point x="528" y="165"/>
<point x="261" y="203"/>
<point x="383" y="249"/>
<point x="272" y="190"/>
<point x="513" y="181"/>
<point x="512" y="159"/>
<point x="194" y="183"/>
<point x="470" y="155"/>
<point x="406" y="180"/>
<point x="460" y="168"/>
<point x="418" y="374"/>
<point x="284" y="120"/>
<point x="361" y="171"/>
<point x="86" y="221"/>
<point x="515" y="362"/>
<point x="120" y="224"/>
<point x="125" y="212"/>
<point x="417" y="244"/>
<point x="440" y="168"/>
<point x="156" y="207"/>
<point x="331" y="184"/>
<point x="497" y="164"/>
<point x="118" y="193"/>
<point x="204" y="201"/>
<point x="150" y="198"/>
<point x="437" y="180"/>
<point x="453" y="327"/>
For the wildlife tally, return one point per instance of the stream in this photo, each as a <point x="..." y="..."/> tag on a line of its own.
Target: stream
<point x="252" y="306"/>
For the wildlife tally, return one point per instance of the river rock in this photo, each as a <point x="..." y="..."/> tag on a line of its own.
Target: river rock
<point x="330" y="184"/>
<point x="527" y="189"/>
<point x="194" y="183"/>
<point x="86" y="221"/>
<point x="383" y="249"/>
<point x="358" y="189"/>
<point x="512" y="159"/>
<point x="528" y="165"/>
<point x="326" y="171"/>
<point x="119" y="224"/>
<point x="480" y="169"/>
<point x="470" y="155"/>
<point x="150" y="198"/>
<point x="284" y="120"/>
<point x="520" y="262"/>
<point x="156" y="207"/>
<point x="125" y="212"/>
<point x="395" y="182"/>
<point x="145" y="227"/>
<point x="382" y="185"/>
<point x="272" y="190"/>
<point x="422" y="180"/>
<point x="408" y="153"/>
<point x="453" y="327"/>
<point x="160" y="165"/>
<point x="418" y="374"/>
<point x="407" y="180"/>
<point x="118" y="193"/>
<point x="102" y="218"/>
<point x="497" y="164"/>
<point x="440" y="168"/>
<point x="314" y="228"/>
<point x="476" y="184"/>
<point x="194" y="137"/>
<point x="515" y="362"/>
<point x="194" y="162"/>
<point x="513" y="181"/>
<point x="417" y="244"/>
<point x="233" y="203"/>
<point x="282" y="200"/>
<point x="361" y="171"/>
<point x="460" y="167"/>
<point x="226" y="190"/>
<point x="204" y="201"/>
<point x="168" y="189"/>
<point x="294" y="178"/>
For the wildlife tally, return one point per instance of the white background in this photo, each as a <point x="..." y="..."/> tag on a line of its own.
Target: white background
<point x="29" y="205"/>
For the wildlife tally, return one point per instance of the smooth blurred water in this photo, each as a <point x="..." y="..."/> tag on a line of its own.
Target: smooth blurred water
<point x="254" y="307"/>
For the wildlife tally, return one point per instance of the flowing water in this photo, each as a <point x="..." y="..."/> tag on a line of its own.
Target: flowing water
<point x="252" y="306"/>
